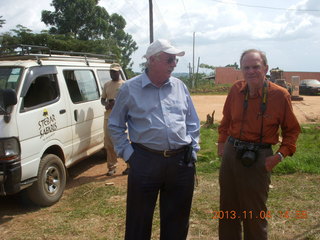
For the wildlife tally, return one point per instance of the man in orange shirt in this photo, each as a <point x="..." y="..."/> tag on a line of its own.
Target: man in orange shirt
<point x="253" y="112"/>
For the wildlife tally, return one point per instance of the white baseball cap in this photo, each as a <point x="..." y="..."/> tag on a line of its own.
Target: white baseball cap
<point x="162" y="45"/>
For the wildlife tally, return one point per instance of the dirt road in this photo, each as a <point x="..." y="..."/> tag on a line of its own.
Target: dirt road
<point x="307" y="110"/>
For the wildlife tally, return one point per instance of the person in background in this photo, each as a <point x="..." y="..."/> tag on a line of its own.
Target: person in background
<point x="163" y="129"/>
<point x="253" y="112"/>
<point x="109" y="93"/>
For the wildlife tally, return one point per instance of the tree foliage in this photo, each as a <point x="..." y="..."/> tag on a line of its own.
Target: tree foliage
<point x="235" y="65"/>
<point x="203" y="65"/>
<point x="2" y="22"/>
<point x="79" y="26"/>
<point x="84" y="20"/>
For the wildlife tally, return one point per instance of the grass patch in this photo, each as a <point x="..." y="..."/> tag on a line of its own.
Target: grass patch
<point x="209" y="89"/>
<point x="305" y="160"/>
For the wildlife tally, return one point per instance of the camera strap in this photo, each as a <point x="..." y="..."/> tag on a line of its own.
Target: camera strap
<point x="263" y="107"/>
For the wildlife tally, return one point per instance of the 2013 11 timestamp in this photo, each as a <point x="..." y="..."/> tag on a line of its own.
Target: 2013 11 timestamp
<point x="240" y="215"/>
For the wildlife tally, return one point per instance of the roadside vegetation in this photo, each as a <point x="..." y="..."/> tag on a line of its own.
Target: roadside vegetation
<point x="97" y="211"/>
<point x="204" y="86"/>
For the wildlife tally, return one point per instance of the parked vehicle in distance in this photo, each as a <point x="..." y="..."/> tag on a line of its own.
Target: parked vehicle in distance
<point x="309" y="87"/>
<point x="50" y="117"/>
<point x="283" y="83"/>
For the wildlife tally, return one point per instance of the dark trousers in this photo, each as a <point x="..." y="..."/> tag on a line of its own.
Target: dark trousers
<point x="243" y="190"/>
<point x="149" y="175"/>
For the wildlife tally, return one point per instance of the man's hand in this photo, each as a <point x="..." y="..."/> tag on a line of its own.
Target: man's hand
<point x="272" y="161"/>
<point x="220" y="149"/>
<point x="109" y="104"/>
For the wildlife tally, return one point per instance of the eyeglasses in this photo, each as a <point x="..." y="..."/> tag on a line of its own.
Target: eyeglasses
<point x="172" y="60"/>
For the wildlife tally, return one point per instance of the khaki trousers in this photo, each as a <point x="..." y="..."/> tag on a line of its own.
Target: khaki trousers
<point x="108" y="145"/>
<point x="243" y="196"/>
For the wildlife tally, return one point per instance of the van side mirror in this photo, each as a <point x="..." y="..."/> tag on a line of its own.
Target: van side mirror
<point x="9" y="98"/>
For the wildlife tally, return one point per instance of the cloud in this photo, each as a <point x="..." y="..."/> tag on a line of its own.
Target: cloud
<point x="312" y="5"/>
<point x="222" y="29"/>
<point x="23" y="12"/>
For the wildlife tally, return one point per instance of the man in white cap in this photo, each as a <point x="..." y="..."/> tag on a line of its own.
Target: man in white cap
<point x="109" y="93"/>
<point x="163" y="129"/>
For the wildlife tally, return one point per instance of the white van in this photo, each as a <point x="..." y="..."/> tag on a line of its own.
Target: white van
<point x="50" y="118"/>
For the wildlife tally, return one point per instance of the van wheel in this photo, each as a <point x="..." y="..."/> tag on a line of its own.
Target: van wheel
<point x="51" y="182"/>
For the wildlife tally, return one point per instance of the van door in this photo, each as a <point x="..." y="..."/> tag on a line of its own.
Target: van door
<point x="42" y="118"/>
<point x="87" y="112"/>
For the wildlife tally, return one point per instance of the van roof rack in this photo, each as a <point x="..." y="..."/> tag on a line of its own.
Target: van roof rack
<point x="23" y="51"/>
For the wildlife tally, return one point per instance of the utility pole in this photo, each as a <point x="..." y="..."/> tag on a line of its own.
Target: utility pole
<point x="151" y="21"/>
<point x="193" y="60"/>
<point x="193" y="53"/>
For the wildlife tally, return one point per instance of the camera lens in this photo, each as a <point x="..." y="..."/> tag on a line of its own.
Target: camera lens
<point x="248" y="158"/>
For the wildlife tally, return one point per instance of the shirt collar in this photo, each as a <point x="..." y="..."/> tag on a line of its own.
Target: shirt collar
<point x="244" y="85"/>
<point x="146" y="81"/>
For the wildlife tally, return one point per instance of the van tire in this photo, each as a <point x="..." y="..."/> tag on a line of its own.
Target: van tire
<point x="51" y="182"/>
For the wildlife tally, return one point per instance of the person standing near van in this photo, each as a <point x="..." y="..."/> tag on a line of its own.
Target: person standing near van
<point x="254" y="111"/>
<point x="108" y="97"/>
<point x="163" y="129"/>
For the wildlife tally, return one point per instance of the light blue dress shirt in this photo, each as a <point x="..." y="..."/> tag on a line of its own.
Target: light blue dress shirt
<point x="160" y="118"/>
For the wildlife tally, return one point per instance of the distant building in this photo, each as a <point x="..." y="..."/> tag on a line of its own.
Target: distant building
<point x="227" y="75"/>
<point x="224" y="75"/>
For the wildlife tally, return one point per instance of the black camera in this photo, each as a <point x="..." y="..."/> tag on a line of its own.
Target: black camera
<point x="247" y="154"/>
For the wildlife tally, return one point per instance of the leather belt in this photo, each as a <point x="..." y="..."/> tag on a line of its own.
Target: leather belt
<point x="165" y="153"/>
<point x="237" y="142"/>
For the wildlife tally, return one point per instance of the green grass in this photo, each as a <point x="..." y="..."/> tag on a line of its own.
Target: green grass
<point x="211" y="89"/>
<point x="305" y="160"/>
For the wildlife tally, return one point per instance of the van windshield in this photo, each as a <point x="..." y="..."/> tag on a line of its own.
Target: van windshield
<point x="10" y="77"/>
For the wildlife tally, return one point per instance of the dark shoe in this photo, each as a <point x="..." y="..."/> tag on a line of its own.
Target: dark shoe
<point x="125" y="172"/>
<point x="111" y="172"/>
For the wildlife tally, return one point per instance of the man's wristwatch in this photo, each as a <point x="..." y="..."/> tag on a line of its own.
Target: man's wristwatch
<point x="281" y="156"/>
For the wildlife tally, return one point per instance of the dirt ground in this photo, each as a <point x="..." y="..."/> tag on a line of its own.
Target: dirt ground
<point x="306" y="111"/>
<point x="94" y="168"/>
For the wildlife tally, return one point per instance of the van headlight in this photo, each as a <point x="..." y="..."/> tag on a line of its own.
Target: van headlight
<point x="9" y="148"/>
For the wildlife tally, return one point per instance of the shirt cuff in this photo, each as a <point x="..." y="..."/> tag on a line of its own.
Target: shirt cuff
<point x="127" y="152"/>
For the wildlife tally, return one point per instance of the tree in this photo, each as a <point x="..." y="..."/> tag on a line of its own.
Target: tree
<point x="203" y="65"/>
<point x="2" y="22"/>
<point x="84" y="20"/>
<point x="235" y="65"/>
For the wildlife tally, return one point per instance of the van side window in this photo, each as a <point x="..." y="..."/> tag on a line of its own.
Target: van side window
<point x="43" y="90"/>
<point x="82" y="85"/>
<point x="104" y="76"/>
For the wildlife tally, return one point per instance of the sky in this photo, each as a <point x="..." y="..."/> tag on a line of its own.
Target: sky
<point x="288" y="31"/>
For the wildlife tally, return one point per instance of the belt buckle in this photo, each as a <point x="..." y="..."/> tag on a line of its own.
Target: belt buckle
<point x="165" y="153"/>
